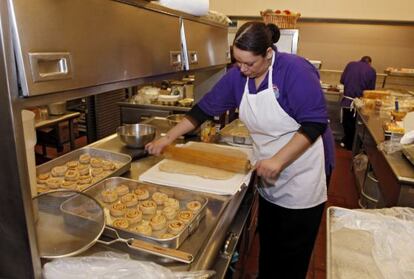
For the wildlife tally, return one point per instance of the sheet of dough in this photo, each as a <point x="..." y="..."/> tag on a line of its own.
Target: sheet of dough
<point x="173" y="166"/>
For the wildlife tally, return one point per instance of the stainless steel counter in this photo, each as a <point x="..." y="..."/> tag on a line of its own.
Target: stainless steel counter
<point x="394" y="172"/>
<point x="206" y="243"/>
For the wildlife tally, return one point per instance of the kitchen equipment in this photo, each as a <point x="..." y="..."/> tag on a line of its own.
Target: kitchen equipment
<point x="208" y="158"/>
<point x="121" y="161"/>
<point x="236" y="133"/>
<point x="71" y="222"/>
<point x="136" y="135"/>
<point x="58" y="108"/>
<point x="182" y="196"/>
<point x="168" y="100"/>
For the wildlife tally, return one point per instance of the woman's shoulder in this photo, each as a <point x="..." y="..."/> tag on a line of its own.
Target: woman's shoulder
<point x="293" y="62"/>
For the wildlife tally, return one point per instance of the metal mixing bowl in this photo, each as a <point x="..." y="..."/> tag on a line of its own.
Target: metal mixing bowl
<point x="136" y="135"/>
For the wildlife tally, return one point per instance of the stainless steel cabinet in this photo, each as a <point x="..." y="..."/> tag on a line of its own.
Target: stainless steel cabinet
<point x="206" y="45"/>
<point x="70" y="44"/>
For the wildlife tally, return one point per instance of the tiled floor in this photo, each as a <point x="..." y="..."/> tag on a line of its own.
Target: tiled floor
<point x="342" y="192"/>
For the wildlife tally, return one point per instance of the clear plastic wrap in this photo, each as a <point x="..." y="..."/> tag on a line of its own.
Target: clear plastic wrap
<point x="110" y="265"/>
<point x="373" y="243"/>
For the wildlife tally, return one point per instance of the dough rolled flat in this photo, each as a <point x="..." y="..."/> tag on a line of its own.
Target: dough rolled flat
<point x="173" y="166"/>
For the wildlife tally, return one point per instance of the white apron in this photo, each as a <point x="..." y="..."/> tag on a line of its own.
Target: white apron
<point x="303" y="183"/>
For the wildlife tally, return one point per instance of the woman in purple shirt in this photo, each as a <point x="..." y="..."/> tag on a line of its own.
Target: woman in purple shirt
<point x="282" y="104"/>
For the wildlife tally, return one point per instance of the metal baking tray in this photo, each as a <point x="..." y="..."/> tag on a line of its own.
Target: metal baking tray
<point x="231" y="133"/>
<point x="122" y="162"/>
<point x="181" y="195"/>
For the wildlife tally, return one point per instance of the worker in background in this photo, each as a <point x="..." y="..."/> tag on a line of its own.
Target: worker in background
<point x="357" y="77"/>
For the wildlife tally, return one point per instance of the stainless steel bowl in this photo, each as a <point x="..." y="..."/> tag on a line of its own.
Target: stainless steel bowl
<point x="136" y="135"/>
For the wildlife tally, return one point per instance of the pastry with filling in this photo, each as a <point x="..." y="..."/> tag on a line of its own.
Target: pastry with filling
<point x="144" y="228"/>
<point x="194" y="206"/>
<point x="158" y="222"/>
<point x="171" y="202"/>
<point x="69" y="185"/>
<point x="54" y="182"/>
<point x="72" y="165"/>
<point x="159" y="198"/>
<point x="185" y="216"/>
<point x="129" y="200"/>
<point x="96" y="162"/>
<point x="166" y="235"/>
<point x="108" y="165"/>
<point x="133" y="215"/>
<point x="83" y="169"/>
<point x="84" y="158"/>
<point x="84" y="179"/>
<point x="120" y="223"/>
<point x="42" y="178"/>
<point x="42" y="188"/>
<point x="141" y="193"/>
<point x="175" y="226"/>
<point x="170" y="212"/>
<point x="71" y="175"/>
<point x="109" y="195"/>
<point x="96" y="171"/>
<point x="122" y="189"/>
<point x="117" y="209"/>
<point x="59" y="171"/>
<point x="148" y="207"/>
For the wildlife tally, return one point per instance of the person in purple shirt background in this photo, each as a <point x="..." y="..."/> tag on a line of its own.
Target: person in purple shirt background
<point x="281" y="102"/>
<point x="356" y="77"/>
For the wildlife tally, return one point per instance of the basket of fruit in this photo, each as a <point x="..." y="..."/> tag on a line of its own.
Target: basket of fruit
<point x="283" y="19"/>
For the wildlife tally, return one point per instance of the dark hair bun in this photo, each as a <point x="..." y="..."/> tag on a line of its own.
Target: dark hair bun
<point x="274" y="31"/>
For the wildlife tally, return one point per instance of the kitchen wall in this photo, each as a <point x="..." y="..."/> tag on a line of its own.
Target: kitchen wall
<point x="349" y="9"/>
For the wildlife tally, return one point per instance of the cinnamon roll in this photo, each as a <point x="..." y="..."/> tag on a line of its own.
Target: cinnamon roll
<point x="54" y="182"/>
<point x="129" y="200"/>
<point x="122" y="189"/>
<point x="108" y="165"/>
<point x="169" y="212"/>
<point x="144" y="228"/>
<point x="42" y="188"/>
<point x="83" y="169"/>
<point x="141" y="193"/>
<point x="109" y="195"/>
<point x="185" y="216"/>
<point x="148" y="207"/>
<point x="158" y="222"/>
<point x="175" y="226"/>
<point x="84" y="179"/>
<point x="117" y="209"/>
<point x="170" y="202"/>
<point x="96" y="162"/>
<point x="120" y="223"/>
<point x="72" y="165"/>
<point x="194" y="206"/>
<point x="72" y="175"/>
<point x="133" y="215"/>
<point x="42" y="177"/>
<point x="69" y="185"/>
<point x="96" y="171"/>
<point x="84" y="158"/>
<point x="159" y="198"/>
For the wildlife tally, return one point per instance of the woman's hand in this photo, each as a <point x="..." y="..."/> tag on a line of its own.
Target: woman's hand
<point x="156" y="147"/>
<point x="268" y="169"/>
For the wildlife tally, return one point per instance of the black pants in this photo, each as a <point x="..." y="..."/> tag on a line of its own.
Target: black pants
<point x="348" y="123"/>
<point x="287" y="237"/>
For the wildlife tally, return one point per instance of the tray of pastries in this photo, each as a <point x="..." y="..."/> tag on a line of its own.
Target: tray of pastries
<point x="79" y="169"/>
<point x="158" y="214"/>
<point x="236" y="133"/>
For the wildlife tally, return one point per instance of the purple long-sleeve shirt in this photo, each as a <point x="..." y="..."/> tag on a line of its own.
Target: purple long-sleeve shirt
<point x="357" y="77"/>
<point x="299" y="94"/>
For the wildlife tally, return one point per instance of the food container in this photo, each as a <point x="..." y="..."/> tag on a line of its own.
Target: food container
<point x="236" y="133"/>
<point x="57" y="108"/>
<point x="183" y="196"/>
<point x="168" y="100"/>
<point x="136" y="135"/>
<point x="121" y="162"/>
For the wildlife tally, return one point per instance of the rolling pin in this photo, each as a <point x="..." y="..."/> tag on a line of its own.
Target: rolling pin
<point x="208" y="159"/>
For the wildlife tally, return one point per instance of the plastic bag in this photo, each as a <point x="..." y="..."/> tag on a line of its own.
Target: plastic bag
<point x="360" y="162"/>
<point x="390" y="146"/>
<point x="388" y="235"/>
<point x="110" y="265"/>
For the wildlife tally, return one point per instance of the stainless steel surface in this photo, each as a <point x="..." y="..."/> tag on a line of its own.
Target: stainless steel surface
<point x="201" y="53"/>
<point x="153" y="106"/>
<point x="174" y="242"/>
<point x="121" y="161"/>
<point x="101" y="55"/>
<point x="52" y="119"/>
<point x="204" y="245"/>
<point x="136" y="135"/>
